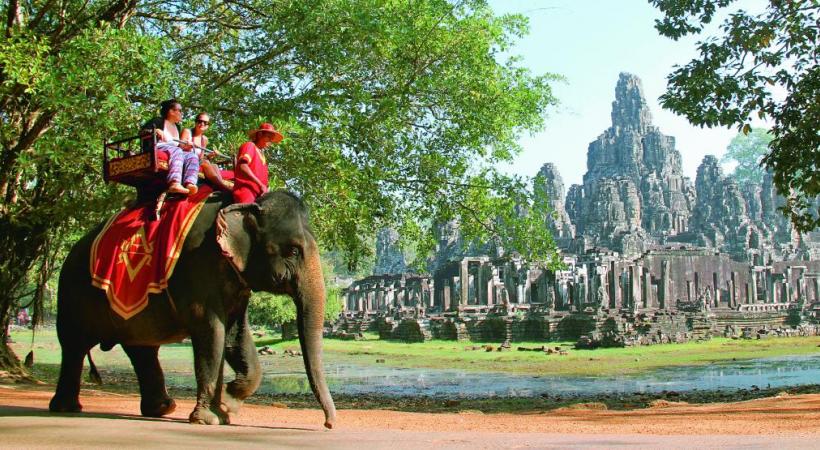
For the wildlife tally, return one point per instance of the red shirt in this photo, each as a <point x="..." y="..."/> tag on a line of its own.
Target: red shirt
<point x="253" y="157"/>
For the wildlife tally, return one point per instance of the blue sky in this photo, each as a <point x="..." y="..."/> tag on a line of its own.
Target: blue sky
<point x="590" y="42"/>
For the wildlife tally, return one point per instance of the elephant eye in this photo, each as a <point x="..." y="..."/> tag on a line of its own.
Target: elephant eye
<point x="292" y="252"/>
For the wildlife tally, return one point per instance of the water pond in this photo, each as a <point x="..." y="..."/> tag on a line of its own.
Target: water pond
<point x="387" y="381"/>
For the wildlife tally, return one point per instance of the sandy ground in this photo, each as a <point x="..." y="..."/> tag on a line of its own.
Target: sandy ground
<point x="782" y="422"/>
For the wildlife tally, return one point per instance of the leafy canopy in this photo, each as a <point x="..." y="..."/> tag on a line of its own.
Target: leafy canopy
<point x="394" y="113"/>
<point x="747" y="152"/>
<point x="762" y="66"/>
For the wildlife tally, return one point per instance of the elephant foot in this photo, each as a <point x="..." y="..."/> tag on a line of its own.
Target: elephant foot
<point x="204" y="416"/>
<point x="158" y="409"/>
<point x="230" y="404"/>
<point x="63" y="405"/>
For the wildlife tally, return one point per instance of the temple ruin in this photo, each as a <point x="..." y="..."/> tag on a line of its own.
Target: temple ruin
<point x="649" y="257"/>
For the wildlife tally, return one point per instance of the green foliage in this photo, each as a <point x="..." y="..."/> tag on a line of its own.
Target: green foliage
<point x="270" y="310"/>
<point x="274" y="310"/>
<point x="747" y="151"/>
<point x="394" y="113"/>
<point x="333" y="305"/>
<point x="63" y="90"/>
<point x="759" y="66"/>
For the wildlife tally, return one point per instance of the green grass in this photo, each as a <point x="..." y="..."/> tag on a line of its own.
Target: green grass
<point x="611" y="361"/>
<point x="177" y="359"/>
<point x="177" y="362"/>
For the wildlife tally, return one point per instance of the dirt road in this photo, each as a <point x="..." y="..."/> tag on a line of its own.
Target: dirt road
<point x="112" y="420"/>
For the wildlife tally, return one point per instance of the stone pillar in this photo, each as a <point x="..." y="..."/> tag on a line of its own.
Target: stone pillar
<point x="786" y="291"/>
<point x="465" y="282"/>
<point x="787" y="285"/>
<point x="771" y="297"/>
<point x="445" y="295"/>
<point x="626" y="289"/>
<point x="689" y="290"/>
<point x="648" y="300"/>
<point x="716" y="289"/>
<point x="753" y="276"/>
<point x="788" y="280"/>
<point x="430" y="294"/>
<point x="602" y="282"/>
<point x="635" y="285"/>
<point x="614" y="287"/>
<point x="733" y="290"/>
<point x="488" y="289"/>
<point x="663" y="294"/>
<point x="800" y="287"/>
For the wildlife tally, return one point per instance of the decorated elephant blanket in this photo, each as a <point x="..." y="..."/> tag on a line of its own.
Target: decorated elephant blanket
<point x="135" y="255"/>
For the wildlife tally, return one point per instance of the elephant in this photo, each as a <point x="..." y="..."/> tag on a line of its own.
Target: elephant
<point x="229" y="251"/>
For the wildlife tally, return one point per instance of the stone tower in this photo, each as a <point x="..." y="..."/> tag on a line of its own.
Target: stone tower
<point x="389" y="257"/>
<point x="634" y="193"/>
<point x="559" y="223"/>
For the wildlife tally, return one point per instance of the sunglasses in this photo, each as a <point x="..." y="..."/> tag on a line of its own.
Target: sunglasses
<point x="203" y="122"/>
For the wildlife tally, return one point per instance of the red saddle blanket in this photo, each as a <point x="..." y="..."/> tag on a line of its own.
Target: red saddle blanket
<point x="135" y="255"/>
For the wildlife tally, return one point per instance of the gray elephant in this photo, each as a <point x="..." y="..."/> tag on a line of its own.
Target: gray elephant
<point x="269" y="247"/>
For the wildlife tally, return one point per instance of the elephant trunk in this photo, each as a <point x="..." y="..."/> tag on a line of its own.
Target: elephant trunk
<point x="310" y="312"/>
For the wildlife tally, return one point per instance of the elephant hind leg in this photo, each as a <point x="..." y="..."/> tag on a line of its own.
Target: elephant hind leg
<point x="67" y="396"/>
<point x="155" y="400"/>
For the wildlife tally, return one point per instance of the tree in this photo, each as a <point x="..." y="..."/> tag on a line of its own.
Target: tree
<point x="747" y="151"/>
<point x="274" y="310"/>
<point x="760" y="66"/>
<point x="71" y="74"/>
<point x="394" y="112"/>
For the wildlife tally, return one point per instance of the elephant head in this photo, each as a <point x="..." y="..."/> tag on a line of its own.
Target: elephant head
<point x="272" y="248"/>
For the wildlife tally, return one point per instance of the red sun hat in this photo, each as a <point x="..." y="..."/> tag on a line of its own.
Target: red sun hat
<point x="266" y="128"/>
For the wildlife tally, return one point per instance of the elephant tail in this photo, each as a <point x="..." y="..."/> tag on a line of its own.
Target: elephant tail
<point x="93" y="374"/>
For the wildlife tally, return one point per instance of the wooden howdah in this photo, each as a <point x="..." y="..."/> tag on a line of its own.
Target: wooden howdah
<point x="135" y="162"/>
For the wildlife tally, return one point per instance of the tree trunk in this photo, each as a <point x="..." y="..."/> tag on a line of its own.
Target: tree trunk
<point x="20" y="247"/>
<point x="10" y="366"/>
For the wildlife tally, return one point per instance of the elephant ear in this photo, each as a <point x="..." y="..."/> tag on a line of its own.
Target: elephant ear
<point x="236" y="228"/>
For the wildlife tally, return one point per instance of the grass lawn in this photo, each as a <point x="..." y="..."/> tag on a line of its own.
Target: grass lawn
<point x="177" y="362"/>
<point x="611" y="361"/>
<point x="177" y="358"/>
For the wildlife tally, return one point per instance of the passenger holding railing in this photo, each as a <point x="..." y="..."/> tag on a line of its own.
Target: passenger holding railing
<point x="196" y="136"/>
<point x="183" y="163"/>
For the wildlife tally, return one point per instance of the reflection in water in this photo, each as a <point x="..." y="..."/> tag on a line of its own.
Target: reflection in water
<point x="347" y="379"/>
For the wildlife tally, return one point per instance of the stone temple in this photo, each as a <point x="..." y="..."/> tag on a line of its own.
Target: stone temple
<point x="649" y="256"/>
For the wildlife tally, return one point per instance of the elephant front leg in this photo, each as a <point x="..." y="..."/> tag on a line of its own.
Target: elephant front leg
<point x="209" y="343"/>
<point x="155" y="399"/>
<point x="240" y="353"/>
